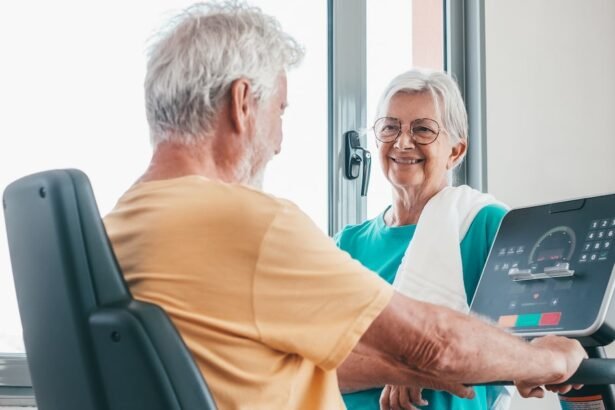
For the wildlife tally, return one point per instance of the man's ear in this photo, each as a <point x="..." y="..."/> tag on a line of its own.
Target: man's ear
<point x="458" y="151"/>
<point x="241" y="104"/>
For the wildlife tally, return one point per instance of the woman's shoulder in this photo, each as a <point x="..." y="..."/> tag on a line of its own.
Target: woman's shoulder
<point x="486" y="222"/>
<point x="491" y="212"/>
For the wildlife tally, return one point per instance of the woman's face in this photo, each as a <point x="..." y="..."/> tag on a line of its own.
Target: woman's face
<point x="411" y="166"/>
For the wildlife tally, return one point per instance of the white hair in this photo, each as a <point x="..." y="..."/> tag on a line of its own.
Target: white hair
<point x="194" y="61"/>
<point x="445" y="93"/>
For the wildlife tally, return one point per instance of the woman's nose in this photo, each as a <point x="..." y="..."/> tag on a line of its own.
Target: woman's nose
<point x="405" y="140"/>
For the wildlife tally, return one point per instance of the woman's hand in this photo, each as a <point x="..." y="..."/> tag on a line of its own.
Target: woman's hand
<point x="401" y="397"/>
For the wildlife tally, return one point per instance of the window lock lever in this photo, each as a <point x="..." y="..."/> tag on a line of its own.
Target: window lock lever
<point x="355" y="156"/>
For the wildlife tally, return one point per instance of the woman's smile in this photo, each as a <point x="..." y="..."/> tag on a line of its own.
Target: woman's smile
<point x="407" y="161"/>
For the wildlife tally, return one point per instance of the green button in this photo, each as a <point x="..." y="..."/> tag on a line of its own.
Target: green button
<point x="528" y="320"/>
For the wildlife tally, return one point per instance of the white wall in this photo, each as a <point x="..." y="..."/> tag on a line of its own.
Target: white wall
<point x="550" y="79"/>
<point x="550" y="93"/>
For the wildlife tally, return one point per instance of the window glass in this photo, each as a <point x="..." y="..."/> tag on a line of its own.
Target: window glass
<point x="72" y="97"/>
<point x="401" y="34"/>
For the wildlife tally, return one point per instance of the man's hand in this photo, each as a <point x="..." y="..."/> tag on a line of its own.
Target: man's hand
<point x="565" y="357"/>
<point x="401" y="397"/>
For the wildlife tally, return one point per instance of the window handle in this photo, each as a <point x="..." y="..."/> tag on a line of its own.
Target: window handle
<point x="355" y="157"/>
<point x="367" y="168"/>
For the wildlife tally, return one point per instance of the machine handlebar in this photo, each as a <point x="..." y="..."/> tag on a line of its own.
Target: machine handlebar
<point x="594" y="371"/>
<point x="590" y="372"/>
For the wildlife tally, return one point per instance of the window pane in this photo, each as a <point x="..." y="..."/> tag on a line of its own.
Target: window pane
<point x="299" y="173"/>
<point x="401" y="34"/>
<point x="73" y="97"/>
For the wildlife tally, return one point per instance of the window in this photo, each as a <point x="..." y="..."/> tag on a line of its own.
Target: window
<point x="299" y="173"/>
<point x="401" y="34"/>
<point x="73" y="97"/>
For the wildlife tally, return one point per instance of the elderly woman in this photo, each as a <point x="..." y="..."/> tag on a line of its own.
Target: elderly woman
<point x="433" y="240"/>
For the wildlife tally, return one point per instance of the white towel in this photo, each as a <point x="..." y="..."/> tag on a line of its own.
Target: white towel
<point x="431" y="269"/>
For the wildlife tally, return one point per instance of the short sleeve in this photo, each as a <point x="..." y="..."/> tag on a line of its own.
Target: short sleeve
<point x="476" y="244"/>
<point x="310" y="298"/>
<point x="492" y="215"/>
<point x="339" y="237"/>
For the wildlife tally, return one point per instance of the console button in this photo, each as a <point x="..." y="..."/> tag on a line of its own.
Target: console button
<point x="602" y="256"/>
<point x="531" y="319"/>
<point x="507" y="320"/>
<point x="550" y="319"/>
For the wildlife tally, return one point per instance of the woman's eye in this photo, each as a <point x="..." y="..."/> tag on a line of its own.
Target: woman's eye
<point x="423" y="130"/>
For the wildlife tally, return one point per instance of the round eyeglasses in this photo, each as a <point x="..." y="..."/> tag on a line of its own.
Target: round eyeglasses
<point x="423" y="131"/>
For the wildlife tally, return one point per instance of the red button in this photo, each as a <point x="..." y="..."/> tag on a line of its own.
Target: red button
<point x="550" y="319"/>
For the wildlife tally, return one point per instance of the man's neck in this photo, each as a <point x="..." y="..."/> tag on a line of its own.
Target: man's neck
<point x="174" y="160"/>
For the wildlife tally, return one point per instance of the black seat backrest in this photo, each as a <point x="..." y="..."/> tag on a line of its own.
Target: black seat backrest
<point x="89" y="344"/>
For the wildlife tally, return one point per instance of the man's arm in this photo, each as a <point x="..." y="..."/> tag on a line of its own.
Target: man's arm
<point x="412" y="342"/>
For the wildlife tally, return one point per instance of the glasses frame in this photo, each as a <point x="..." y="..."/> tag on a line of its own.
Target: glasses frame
<point x="409" y="128"/>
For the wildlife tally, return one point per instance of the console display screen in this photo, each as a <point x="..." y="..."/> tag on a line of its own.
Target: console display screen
<point x="550" y="255"/>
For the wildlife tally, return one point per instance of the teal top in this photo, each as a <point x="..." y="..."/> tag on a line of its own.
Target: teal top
<point x="381" y="248"/>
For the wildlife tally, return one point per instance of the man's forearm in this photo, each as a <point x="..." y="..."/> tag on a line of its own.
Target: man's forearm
<point x="429" y="344"/>
<point x="366" y="368"/>
<point x="466" y="349"/>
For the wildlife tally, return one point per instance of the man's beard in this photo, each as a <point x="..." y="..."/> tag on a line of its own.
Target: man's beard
<point x="261" y="155"/>
<point x="256" y="180"/>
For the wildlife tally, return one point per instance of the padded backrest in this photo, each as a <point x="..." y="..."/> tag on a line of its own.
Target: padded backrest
<point x="89" y="344"/>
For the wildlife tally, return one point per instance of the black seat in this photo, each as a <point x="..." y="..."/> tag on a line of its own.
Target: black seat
<point x="89" y="344"/>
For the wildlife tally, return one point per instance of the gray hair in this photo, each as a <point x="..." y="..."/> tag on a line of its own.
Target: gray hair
<point x="444" y="91"/>
<point x="194" y="61"/>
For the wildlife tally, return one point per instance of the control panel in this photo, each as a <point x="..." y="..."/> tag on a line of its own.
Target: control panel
<point x="551" y="271"/>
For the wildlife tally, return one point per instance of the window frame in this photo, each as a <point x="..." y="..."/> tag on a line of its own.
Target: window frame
<point x="464" y="59"/>
<point x="347" y="97"/>
<point x="15" y="382"/>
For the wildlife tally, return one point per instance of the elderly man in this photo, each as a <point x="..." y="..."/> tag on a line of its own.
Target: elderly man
<point x="265" y="301"/>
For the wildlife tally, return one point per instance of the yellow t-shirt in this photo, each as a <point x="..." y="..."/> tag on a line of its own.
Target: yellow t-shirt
<point x="267" y="304"/>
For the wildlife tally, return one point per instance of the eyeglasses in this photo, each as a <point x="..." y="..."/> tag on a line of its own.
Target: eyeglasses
<point x="423" y="130"/>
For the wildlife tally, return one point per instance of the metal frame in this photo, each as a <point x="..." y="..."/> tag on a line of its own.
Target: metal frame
<point x="15" y="383"/>
<point x="464" y="22"/>
<point x="347" y="88"/>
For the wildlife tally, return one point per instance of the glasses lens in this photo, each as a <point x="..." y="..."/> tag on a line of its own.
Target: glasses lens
<point x="425" y="130"/>
<point x="387" y="129"/>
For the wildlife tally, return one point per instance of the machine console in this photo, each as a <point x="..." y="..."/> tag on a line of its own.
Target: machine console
<point x="551" y="270"/>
